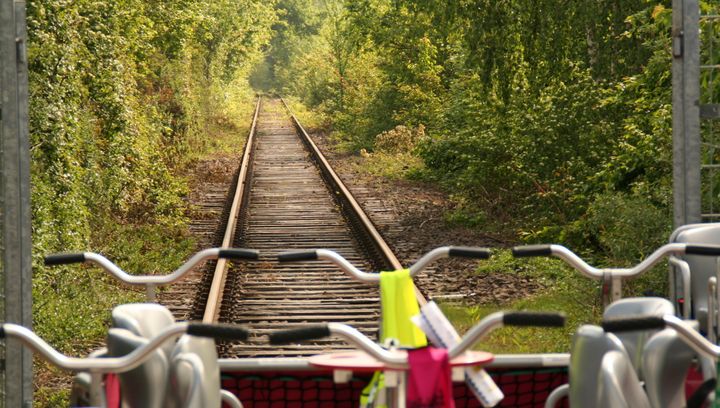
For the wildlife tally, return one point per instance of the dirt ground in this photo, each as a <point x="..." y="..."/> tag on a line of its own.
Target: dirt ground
<point x="411" y="217"/>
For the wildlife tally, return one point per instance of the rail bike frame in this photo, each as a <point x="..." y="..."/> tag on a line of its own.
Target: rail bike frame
<point x="525" y="379"/>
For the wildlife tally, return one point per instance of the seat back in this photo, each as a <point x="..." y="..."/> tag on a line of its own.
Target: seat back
<point x="589" y="346"/>
<point x="634" y="341"/>
<point x="701" y="267"/>
<point x="195" y="373"/>
<point x="145" y="385"/>
<point x="666" y="360"/>
<point x="133" y="324"/>
<point x="618" y="385"/>
<point x="144" y="319"/>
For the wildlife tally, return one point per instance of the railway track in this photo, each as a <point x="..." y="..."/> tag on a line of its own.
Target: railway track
<point x="285" y="197"/>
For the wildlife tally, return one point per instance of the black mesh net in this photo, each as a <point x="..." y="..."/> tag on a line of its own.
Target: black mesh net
<point x="522" y="388"/>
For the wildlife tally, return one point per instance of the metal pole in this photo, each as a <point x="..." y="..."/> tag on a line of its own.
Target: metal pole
<point x="686" y="112"/>
<point x="15" y="166"/>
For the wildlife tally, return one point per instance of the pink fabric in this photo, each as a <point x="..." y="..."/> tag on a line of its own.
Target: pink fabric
<point x="429" y="380"/>
<point x="112" y="391"/>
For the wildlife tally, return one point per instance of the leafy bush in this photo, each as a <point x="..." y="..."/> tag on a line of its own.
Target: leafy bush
<point x="625" y="227"/>
<point x="400" y="139"/>
<point x="540" y="117"/>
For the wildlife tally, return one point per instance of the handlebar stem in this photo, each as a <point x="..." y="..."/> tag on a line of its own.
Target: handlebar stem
<point x="617" y="274"/>
<point x="684" y="269"/>
<point x="354" y="337"/>
<point x="211" y="253"/>
<point x="345" y="265"/>
<point x="712" y="310"/>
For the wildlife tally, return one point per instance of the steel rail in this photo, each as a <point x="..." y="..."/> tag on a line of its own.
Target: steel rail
<point x="370" y="234"/>
<point x="212" y="308"/>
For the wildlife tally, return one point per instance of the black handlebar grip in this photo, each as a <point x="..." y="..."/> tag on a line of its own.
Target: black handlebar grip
<point x="218" y="331"/>
<point x="238" y="253"/>
<point x="539" y="319"/>
<point x="712" y="250"/>
<point x="298" y="256"/>
<point x="64" y="259"/>
<point x="633" y="323"/>
<point x="531" y="250"/>
<point x="301" y="334"/>
<point x="469" y="252"/>
<point x="2" y="331"/>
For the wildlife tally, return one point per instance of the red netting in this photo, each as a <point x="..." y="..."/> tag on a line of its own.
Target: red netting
<point x="525" y="388"/>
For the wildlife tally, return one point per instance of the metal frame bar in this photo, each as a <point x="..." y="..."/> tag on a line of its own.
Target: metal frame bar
<point x="686" y="112"/>
<point x="301" y="363"/>
<point x="14" y="137"/>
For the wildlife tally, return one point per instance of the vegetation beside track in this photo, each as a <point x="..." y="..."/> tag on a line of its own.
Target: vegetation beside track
<point x="555" y="122"/>
<point x="542" y="123"/>
<point x="125" y="95"/>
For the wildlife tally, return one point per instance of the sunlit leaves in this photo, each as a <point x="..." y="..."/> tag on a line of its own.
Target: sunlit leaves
<point x="119" y="93"/>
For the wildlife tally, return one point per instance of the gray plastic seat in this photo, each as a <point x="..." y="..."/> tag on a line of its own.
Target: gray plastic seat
<point x="589" y="346"/>
<point x="133" y="324"/>
<point x="147" y="384"/>
<point x="194" y="373"/>
<point x="144" y="319"/>
<point x="701" y="267"/>
<point x="184" y="374"/>
<point x="666" y="360"/>
<point x="634" y="342"/>
<point x="618" y="385"/>
<point x="179" y="374"/>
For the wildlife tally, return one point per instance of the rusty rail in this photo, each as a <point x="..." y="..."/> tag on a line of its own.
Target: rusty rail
<point x="212" y="308"/>
<point x="362" y="225"/>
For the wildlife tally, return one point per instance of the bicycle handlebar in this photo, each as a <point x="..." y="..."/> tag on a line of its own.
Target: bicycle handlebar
<point x="345" y="265"/>
<point x="695" y="249"/>
<point x="538" y="319"/>
<point x="300" y="334"/>
<point x="499" y="319"/>
<point x="527" y="251"/>
<point x="298" y="256"/>
<point x="347" y="333"/>
<point x="352" y="336"/>
<point x="468" y="252"/>
<point x="126" y="362"/>
<point x="694" y="339"/>
<point x="64" y="259"/>
<point x="620" y="325"/>
<point x="579" y="264"/>
<point x="97" y="259"/>
<point x="218" y="331"/>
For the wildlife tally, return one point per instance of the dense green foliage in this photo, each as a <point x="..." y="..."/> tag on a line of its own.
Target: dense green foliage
<point x="123" y="94"/>
<point x="550" y="121"/>
<point x="553" y="122"/>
